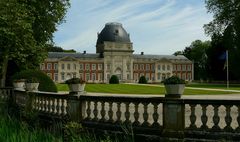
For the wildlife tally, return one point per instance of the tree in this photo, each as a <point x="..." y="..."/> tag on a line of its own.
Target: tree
<point x="26" y="26"/>
<point x="142" y="80"/>
<point x="197" y="52"/>
<point x="114" y="80"/>
<point x="225" y="26"/>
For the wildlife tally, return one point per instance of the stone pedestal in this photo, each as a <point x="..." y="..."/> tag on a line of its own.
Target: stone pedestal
<point x="173" y="118"/>
<point x="76" y="107"/>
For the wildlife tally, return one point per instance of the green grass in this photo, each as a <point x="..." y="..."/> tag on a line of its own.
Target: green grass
<point x="137" y="89"/>
<point x="215" y="86"/>
<point x="12" y="130"/>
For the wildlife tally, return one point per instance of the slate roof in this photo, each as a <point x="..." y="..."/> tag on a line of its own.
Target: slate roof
<point x="59" y="55"/>
<point x="113" y="32"/>
<point x="75" y="55"/>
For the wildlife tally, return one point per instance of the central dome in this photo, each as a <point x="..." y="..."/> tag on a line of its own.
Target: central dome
<point x="113" y="32"/>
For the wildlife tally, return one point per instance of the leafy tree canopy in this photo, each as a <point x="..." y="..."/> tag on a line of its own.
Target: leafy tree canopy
<point x="26" y="26"/>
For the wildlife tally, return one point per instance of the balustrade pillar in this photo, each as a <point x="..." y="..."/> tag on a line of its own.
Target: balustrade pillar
<point x="76" y="108"/>
<point x="173" y="118"/>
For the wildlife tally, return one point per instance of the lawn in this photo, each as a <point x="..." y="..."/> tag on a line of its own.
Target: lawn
<point x="137" y="89"/>
<point x="215" y="86"/>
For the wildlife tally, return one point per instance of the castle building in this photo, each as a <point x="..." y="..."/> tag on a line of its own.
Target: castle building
<point x="114" y="56"/>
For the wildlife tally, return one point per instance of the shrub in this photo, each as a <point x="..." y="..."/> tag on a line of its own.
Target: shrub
<point x="75" y="81"/>
<point x="45" y="82"/>
<point x="173" y="80"/>
<point x="114" y="80"/>
<point x="142" y="80"/>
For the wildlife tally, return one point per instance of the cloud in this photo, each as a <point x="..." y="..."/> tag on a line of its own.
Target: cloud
<point x="163" y="26"/>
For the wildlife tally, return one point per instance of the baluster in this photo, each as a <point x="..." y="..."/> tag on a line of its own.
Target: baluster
<point x="63" y="107"/>
<point x="46" y="104"/>
<point x="103" y="111"/>
<point x="216" y="118"/>
<point x="110" y="112"/>
<point x="136" y="114"/>
<point x="155" y="115"/>
<point x="95" y="111"/>
<point x="193" y="117"/>
<point x="42" y="104"/>
<point x="88" y="111"/>
<point x="127" y="113"/>
<point x="145" y="115"/>
<point x="37" y="103"/>
<point x="118" y="113"/>
<point x="54" y="111"/>
<point x="204" y="117"/>
<point x="50" y="105"/>
<point x="57" y="107"/>
<point x="228" y="119"/>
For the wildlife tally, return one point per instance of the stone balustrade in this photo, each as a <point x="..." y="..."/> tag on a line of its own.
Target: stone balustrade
<point x="159" y="116"/>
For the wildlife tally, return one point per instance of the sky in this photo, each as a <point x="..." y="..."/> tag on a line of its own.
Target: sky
<point x="155" y="26"/>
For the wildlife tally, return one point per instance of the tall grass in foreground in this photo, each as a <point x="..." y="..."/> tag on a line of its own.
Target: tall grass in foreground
<point x="12" y="130"/>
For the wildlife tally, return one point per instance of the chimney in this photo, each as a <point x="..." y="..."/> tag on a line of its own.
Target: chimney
<point x="84" y="52"/>
<point x="142" y="53"/>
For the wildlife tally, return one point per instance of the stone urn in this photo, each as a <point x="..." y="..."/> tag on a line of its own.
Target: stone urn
<point x="76" y="85"/>
<point x="32" y="84"/>
<point x="174" y="87"/>
<point x="19" y="84"/>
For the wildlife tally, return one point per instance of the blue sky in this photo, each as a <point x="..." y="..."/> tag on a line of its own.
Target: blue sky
<point x="155" y="26"/>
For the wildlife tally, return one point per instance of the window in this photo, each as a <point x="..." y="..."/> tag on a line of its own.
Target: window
<point x="135" y="76"/>
<point x="108" y="66"/>
<point x="159" y="76"/>
<point x="153" y="67"/>
<point x="178" y="67"/>
<point x="153" y="77"/>
<point x="49" y="66"/>
<point x="74" y="66"/>
<point x="159" y="67"/>
<point x="184" y="67"/>
<point x="100" y="76"/>
<point x="81" y="75"/>
<point x="63" y="66"/>
<point x="87" y="77"/>
<point x="174" y="67"/>
<point x="147" y="67"/>
<point x="55" y="76"/>
<point x="135" y="66"/>
<point x="142" y="66"/>
<point x="189" y="67"/>
<point x="87" y="66"/>
<point x="93" y="66"/>
<point x="147" y="76"/>
<point x="74" y="75"/>
<point x="128" y="76"/>
<point x="163" y="67"/>
<point x="68" y="66"/>
<point x="99" y="66"/>
<point x="81" y="66"/>
<point x="184" y="76"/>
<point x="168" y="67"/>
<point x="62" y="77"/>
<point x="108" y="76"/>
<point x="55" y="66"/>
<point x="93" y="76"/>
